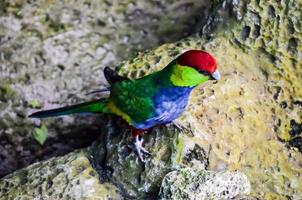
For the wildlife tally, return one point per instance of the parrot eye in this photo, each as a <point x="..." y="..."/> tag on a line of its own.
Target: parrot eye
<point x="205" y="73"/>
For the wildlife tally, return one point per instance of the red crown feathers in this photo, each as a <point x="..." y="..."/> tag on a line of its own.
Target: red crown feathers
<point x="198" y="59"/>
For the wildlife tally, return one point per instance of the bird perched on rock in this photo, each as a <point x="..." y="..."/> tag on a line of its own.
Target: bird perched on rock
<point x="154" y="99"/>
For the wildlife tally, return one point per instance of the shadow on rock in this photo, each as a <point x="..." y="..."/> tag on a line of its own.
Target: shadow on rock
<point x="115" y="161"/>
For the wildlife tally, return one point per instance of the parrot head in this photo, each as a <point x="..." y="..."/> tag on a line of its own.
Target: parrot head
<point x="201" y="61"/>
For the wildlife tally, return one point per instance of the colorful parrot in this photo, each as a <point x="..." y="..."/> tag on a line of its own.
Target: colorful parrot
<point x="155" y="99"/>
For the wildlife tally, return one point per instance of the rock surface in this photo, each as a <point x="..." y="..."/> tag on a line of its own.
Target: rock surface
<point x="250" y="118"/>
<point x="53" y="52"/>
<point x="170" y="149"/>
<point x="67" y="177"/>
<point x="192" y="184"/>
<point x="247" y="121"/>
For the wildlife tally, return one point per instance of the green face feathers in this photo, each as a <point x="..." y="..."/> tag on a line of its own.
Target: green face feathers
<point x="185" y="76"/>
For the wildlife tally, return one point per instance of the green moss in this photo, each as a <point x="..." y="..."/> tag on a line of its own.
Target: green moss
<point x="34" y="103"/>
<point x="6" y="92"/>
<point x="179" y="149"/>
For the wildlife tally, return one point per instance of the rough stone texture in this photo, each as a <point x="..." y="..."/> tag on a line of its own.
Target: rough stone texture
<point x="246" y="118"/>
<point x="189" y="184"/>
<point x="273" y="29"/>
<point x="248" y="121"/>
<point x="53" y="52"/>
<point x="67" y="177"/>
<point x="114" y="159"/>
<point x="234" y="118"/>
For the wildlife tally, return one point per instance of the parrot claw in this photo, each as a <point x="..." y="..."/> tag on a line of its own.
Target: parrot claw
<point x="181" y="127"/>
<point x="140" y="150"/>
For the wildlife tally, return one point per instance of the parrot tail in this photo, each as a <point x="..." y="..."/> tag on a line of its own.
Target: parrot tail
<point x="98" y="106"/>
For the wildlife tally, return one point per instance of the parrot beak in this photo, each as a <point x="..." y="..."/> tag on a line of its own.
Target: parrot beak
<point x="216" y="75"/>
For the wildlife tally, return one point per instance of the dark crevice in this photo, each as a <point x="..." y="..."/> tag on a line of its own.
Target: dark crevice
<point x="298" y="103"/>
<point x="292" y="45"/>
<point x="296" y="128"/>
<point x="290" y="26"/>
<point x="297" y="143"/>
<point x="26" y="152"/>
<point x="245" y="32"/>
<point x="296" y="136"/>
<point x="256" y="31"/>
<point x="271" y="11"/>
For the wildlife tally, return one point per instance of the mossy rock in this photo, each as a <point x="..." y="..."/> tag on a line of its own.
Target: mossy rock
<point x="190" y="183"/>
<point x="67" y="177"/>
<point x="53" y="53"/>
<point x="250" y="117"/>
<point x="245" y="120"/>
<point x="116" y="161"/>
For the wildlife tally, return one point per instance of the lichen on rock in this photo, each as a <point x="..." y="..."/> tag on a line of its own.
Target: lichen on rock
<point x="248" y="121"/>
<point x="248" y="117"/>
<point x="114" y="158"/>
<point x="67" y="177"/>
<point x="188" y="184"/>
<point x="54" y="53"/>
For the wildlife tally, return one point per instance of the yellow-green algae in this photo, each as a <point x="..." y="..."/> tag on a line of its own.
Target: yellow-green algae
<point x="240" y="117"/>
<point x="235" y="116"/>
<point x="179" y="148"/>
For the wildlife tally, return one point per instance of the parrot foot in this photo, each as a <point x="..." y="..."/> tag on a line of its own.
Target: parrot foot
<point x="140" y="150"/>
<point x="181" y="127"/>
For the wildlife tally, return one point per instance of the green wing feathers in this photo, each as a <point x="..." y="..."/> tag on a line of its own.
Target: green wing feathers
<point x="134" y="97"/>
<point x="98" y="106"/>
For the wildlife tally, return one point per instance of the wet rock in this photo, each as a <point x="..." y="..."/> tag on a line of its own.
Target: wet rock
<point x="201" y="184"/>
